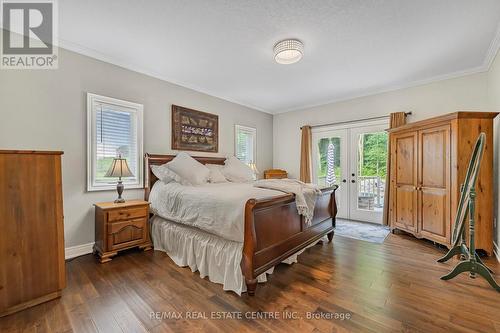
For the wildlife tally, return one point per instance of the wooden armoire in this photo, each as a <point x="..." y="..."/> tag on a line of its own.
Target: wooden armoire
<point x="429" y="160"/>
<point x="31" y="229"/>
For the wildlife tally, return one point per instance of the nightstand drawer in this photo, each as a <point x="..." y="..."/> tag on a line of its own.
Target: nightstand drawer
<point x="126" y="233"/>
<point x="127" y="214"/>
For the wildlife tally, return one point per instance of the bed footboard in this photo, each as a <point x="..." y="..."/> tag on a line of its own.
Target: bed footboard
<point x="275" y="231"/>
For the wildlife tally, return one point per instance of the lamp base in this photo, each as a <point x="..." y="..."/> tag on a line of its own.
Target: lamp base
<point x="119" y="189"/>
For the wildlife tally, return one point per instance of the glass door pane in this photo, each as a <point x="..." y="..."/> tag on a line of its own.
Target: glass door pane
<point x="372" y="166"/>
<point x="330" y="165"/>
<point x="368" y="171"/>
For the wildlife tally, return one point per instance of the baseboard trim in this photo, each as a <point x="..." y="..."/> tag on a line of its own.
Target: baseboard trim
<point x="79" y="250"/>
<point x="496" y="250"/>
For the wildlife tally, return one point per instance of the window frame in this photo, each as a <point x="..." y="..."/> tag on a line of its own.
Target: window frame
<point x="135" y="108"/>
<point x="237" y="128"/>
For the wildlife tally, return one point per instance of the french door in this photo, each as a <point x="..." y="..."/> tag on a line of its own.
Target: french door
<point x="328" y="146"/>
<point x="353" y="156"/>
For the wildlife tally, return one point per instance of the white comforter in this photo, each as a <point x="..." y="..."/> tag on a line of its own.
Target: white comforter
<point x="305" y="194"/>
<point x="215" y="208"/>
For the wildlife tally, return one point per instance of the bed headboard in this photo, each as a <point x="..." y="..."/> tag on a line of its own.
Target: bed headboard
<point x="154" y="159"/>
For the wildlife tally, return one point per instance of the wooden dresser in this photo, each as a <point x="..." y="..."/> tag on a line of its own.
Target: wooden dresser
<point x="31" y="229"/>
<point x="121" y="226"/>
<point x="429" y="160"/>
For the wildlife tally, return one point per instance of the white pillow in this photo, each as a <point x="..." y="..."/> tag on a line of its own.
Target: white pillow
<point x="189" y="169"/>
<point x="237" y="171"/>
<point x="163" y="173"/>
<point x="216" y="175"/>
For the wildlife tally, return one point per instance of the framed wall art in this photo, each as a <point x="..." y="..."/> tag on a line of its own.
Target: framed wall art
<point x="194" y="130"/>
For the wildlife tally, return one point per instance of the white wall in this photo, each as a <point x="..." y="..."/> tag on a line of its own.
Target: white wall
<point x="46" y="110"/>
<point x="494" y="99"/>
<point x="460" y="94"/>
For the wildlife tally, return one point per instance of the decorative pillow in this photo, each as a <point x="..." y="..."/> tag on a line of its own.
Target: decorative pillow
<point x="165" y="174"/>
<point x="237" y="171"/>
<point x="216" y="175"/>
<point x="189" y="169"/>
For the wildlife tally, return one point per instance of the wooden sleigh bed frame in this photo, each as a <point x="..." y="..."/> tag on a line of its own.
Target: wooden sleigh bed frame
<point x="273" y="229"/>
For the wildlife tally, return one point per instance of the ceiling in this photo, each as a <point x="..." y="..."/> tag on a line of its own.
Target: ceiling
<point x="225" y="47"/>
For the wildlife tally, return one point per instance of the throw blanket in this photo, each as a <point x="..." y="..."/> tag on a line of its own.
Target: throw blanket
<point x="305" y="194"/>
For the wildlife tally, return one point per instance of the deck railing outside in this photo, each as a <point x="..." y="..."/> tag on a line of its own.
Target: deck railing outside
<point x="372" y="188"/>
<point x="371" y="191"/>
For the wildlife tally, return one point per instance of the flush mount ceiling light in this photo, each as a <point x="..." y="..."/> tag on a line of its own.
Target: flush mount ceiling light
<point x="288" y="51"/>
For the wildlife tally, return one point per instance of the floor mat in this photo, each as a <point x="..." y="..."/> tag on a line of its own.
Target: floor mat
<point x="370" y="232"/>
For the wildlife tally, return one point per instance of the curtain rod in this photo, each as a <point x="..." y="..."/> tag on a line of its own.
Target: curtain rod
<point x="354" y="121"/>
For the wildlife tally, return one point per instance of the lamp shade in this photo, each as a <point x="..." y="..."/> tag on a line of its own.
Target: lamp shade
<point x="119" y="168"/>
<point x="253" y="166"/>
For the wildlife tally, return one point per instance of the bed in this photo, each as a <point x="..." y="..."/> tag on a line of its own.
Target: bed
<point x="272" y="231"/>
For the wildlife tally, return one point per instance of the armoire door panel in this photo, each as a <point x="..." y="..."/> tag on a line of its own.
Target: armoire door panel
<point x="434" y="157"/>
<point x="434" y="183"/>
<point x="405" y="217"/>
<point x="434" y="218"/>
<point x="404" y="164"/>
<point x="405" y="159"/>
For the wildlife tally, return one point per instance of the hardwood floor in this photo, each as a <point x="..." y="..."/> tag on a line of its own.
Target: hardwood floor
<point x="387" y="287"/>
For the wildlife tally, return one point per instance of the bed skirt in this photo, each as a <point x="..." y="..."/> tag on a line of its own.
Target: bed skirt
<point x="214" y="257"/>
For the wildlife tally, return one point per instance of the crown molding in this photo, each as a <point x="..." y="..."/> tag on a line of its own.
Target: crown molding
<point x="492" y="50"/>
<point x="80" y="49"/>
<point x="487" y="63"/>
<point x="485" y="67"/>
<point x="392" y="88"/>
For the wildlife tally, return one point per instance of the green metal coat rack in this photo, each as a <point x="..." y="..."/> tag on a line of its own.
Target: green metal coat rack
<point x="471" y="263"/>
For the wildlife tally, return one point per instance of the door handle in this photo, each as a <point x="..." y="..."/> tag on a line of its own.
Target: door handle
<point x="344" y="181"/>
<point x="353" y="181"/>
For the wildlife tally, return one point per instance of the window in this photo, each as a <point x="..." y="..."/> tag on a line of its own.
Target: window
<point x="114" y="128"/>
<point x="245" y="143"/>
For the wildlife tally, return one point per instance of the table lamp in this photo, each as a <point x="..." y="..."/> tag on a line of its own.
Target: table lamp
<point x="253" y="166"/>
<point x="119" y="168"/>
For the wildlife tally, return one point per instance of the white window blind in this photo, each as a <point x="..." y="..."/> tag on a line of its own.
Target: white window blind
<point x="114" y="129"/>
<point x="245" y="143"/>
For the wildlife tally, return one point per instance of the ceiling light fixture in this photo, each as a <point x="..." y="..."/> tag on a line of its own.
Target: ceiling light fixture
<point x="288" y="51"/>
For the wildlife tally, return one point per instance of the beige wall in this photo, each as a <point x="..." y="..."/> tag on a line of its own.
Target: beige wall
<point x="494" y="99"/>
<point x="46" y="109"/>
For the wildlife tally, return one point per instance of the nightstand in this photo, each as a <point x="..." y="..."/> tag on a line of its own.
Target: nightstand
<point x="121" y="226"/>
<point x="275" y="174"/>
